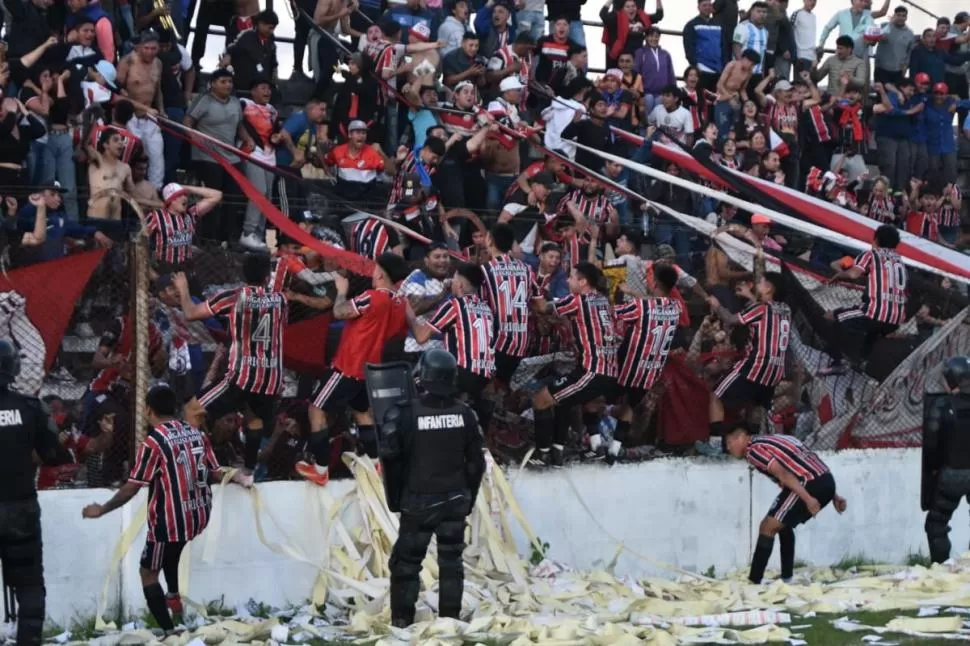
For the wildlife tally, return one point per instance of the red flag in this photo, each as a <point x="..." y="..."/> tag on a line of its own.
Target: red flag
<point x="305" y="345"/>
<point x="36" y="305"/>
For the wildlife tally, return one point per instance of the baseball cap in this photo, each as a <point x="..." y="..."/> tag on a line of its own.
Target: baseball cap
<point x="510" y="83"/>
<point x="941" y="88"/>
<point x="108" y="71"/>
<point x="922" y="79"/>
<point x="615" y="73"/>
<point x="665" y="251"/>
<point x="961" y="18"/>
<point x="357" y="124"/>
<point x="171" y="192"/>
<point x="420" y="33"/>
<point x="54" y="186"/>
<point x="759" y="218"/>
<point x="782" y="85"/>
<point x="307" y="216"/>
<point x="163" y="282"/>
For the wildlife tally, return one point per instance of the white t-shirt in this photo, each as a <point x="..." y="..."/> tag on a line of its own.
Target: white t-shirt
<point x="675" y="125"/>
<point x="804" y="26"/>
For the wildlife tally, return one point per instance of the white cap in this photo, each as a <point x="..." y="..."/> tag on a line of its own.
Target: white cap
<point x="420" y="32"/>
<point x="357" y="124"/>
<point x="781" y="86"/>
<point x="510" y="83"/>
<point x="108" y="71"/>
<point x="172" y="192"/>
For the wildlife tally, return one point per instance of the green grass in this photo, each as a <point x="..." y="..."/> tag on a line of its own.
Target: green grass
<point x="823" y="633"/>
<point x="850" y="562"/>
<point x="918" y="558"/>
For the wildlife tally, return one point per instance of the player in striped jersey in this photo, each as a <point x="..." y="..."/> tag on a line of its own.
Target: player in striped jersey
<point x="807" y="486"/>
<point x="755" y="375"/>
<point x="423" y="164"/>
<point x="468" y="327"/>
<point x="176" y="463"/>
<point x="649" y="326"/>
<point x="883" y="306"/>
<point x="508" y="287"/>
<point x="256" y="317"/>
<point x="590" y="313"/>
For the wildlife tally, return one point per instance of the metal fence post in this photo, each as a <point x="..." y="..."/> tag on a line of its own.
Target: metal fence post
<point x="141" y="315"/>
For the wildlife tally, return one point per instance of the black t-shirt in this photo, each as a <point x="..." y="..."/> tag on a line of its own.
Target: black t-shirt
<point x="172" y="94"/>
<point x="526" y="215"/>
<point x="456" y="62"/>
<point x="449" y="180"/>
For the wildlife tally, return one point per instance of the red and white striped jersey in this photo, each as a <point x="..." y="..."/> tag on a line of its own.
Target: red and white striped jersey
<point x="171" y="234"/>
<point x="789" y="453"/>
<point x="769" y="332"/>
<point x="509" y="286"/>
<point x="648" y="327"/>
<point x="257" y="318"/>
<point x="175" y="462"/>
<point x="884" y="298"/>
<point x="594" y="329"/>
<point x="467" y="324"/>
<point x="371" y="238"/>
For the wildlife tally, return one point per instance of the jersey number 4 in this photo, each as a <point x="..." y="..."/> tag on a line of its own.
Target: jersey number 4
<point x="262" y="333"/>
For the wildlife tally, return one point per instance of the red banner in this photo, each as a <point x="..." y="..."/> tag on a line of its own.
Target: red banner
<point x="36" y="305"/>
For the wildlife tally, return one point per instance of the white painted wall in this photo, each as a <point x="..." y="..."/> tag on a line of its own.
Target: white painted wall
<point x="692" y="514"/>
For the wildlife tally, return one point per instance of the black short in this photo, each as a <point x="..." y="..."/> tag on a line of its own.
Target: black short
<point x="337" y="391"/>
<point x="470" y="383"/>
<point x="157" y="554"/>
<point x="735" y="390"/>
<point x="856" y="319"/>
<point x="580" y="386"/>
<point x="790" y="510"/>
<point x="225" y="397"/>
<point x="505" y="366"/>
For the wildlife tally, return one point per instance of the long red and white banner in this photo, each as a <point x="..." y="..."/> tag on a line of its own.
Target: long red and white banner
<point x="824" y="214"/>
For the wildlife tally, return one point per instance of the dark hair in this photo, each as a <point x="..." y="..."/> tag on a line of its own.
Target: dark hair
<point x="665" y="275"/>
<point x="503" y="237"/>
<point x="575" y="86"/>
<point x="758" y="5"/>
<point x="674" y="91"/>
<point x="162" y="401"/>
<point x="561" y="16"/>
<point x="106" y="134"/>
<point x="123" y="111"/>
<point x="435" y="246"/>
<point x="390" y="28"/>
<point x="394" y="266"/>
<point x="907" y="82"/>
<point x="845" y="41"/>
<point x="777" y="284"/>
<point x="471" y="273"/>
<point x="887" y="236"/>
<point x="553" y="246"/>
<point x="634" y="236"/>
<point x="575" y="48"/>
<point x="525" y="38"/>
<point x="436" y="146"/>
<point x="740" y="427"/>
<point x="427" y="133"/>
<point x="593" y="275"/>
<point x="751" y="55"/>
<point x="469" y="35"/>
<point x="256" y="268"/>
<point x="652" y="30"/>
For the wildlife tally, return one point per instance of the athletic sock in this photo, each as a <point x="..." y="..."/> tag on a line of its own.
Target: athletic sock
<point x="155" y="597"/>
<point x="254" y="439"/>
<point x="563" y="424"/>
<point x="545" y="422"/>
<point x="320" y="448"/>
<point x="786" y="543"/>
<point x="762" y="552"/>
<point x="367" y="433"/>
<point x="622" y="430"/>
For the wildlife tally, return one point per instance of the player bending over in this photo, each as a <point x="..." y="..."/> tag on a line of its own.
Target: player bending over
<point x="806" y="484"/>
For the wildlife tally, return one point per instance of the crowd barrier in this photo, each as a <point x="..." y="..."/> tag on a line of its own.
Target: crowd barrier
<point x="693" y="514"/>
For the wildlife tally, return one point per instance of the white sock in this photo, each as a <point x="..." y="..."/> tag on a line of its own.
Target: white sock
<point x="615" y="447"/>
<point x="595" y="441"/>
<point x="558" y="447"/>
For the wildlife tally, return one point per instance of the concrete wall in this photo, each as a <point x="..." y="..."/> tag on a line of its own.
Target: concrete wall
<point x="692" y="514"/>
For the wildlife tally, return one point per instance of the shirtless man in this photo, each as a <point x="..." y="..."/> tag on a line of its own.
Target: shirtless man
<point x="732" y="91"/>
<point x="107" y="172"/>
<point x="326" y="15"/>
<point x="143" y="191"/>
<point x="140" y="74"/>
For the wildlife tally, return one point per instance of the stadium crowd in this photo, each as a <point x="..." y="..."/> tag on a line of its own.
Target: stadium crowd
<point x="457" y="122"/>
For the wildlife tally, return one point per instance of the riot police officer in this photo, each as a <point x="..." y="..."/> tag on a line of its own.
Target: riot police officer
<point x="433" y="462"/>
<point x="946" y="455"/>
<point x="25" y="427"/>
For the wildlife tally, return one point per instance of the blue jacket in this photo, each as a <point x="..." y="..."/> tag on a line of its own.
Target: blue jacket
<point x="59" y="229"/>
<point x="403" y="16"/>
<point x="894" y="124"/>
<point x="919" y="119"/>
<point x="483" y="27"/>
<point x="703" y="44"/>
<point x="939" y="128"/>
<point x="933" y="62"/>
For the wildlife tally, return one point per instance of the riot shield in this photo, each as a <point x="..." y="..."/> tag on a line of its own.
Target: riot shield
<point x="932" y="455"/>
<point x="388" y="384"/>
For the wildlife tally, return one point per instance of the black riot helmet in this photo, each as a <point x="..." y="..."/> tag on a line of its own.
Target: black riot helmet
<point x="438" y="372"/>
<point x="957" y="373"/>
<point x="9" y="363"/>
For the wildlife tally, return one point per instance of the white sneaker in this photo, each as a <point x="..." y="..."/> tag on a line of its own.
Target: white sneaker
<point x="252" y="242"/>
